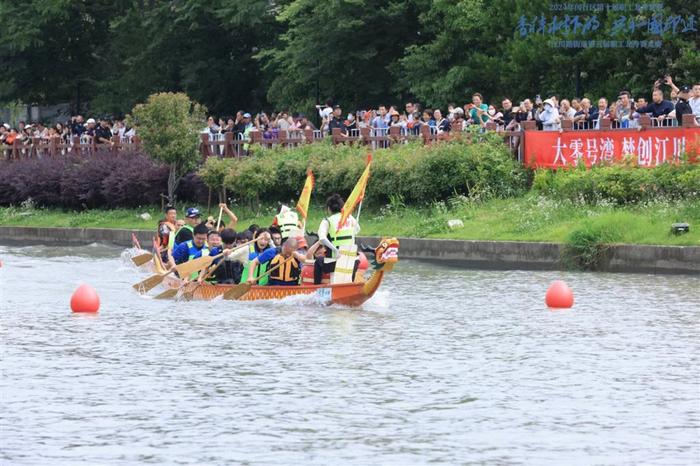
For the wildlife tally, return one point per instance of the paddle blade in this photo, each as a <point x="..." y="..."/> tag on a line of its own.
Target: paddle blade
<point x="142" y="259"/>
<point x="167" y="294"/>
<point x="149" y="283"/>
<point x="237" y="291"/>
<point x="195" y="265"/>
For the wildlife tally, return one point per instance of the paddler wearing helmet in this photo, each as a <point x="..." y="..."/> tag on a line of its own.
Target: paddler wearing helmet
<point x="333" y="236"/>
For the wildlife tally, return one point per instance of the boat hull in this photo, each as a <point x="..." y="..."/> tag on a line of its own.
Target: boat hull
<point x="347" y="294"/>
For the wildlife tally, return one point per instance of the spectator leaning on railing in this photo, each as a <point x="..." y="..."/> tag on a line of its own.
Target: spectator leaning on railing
<point x="659" y="108"/>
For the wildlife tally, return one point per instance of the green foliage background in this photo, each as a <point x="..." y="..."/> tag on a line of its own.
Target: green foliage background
<point x="408" y="174"/>
<point x="106" y="56"/>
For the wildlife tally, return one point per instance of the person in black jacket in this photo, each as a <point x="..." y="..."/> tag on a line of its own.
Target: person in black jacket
<point x="231" y="270"/>
<point x="659" y="108"/>
<point x="337" y="122"/>
<point x="682" y="106"/>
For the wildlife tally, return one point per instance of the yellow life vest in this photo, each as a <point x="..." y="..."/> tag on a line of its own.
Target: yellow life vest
<point x="287" y="272"/>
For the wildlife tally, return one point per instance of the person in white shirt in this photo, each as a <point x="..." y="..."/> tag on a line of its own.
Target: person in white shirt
<point x="694" y="100"/>
<point x="333" y="236"/>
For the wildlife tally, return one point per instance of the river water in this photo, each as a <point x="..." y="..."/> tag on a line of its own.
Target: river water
<point x="442" y="366"/>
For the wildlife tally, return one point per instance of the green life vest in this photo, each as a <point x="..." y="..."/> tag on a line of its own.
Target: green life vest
<point x="184" y="227"/>
<point x="259" y="270"/>
<point x="343" y="236"/>
<point x="193" y="253"/>
<point x="287" y="221"/>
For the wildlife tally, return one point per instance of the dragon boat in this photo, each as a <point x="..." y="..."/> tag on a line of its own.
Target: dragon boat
<point x="349" y="294"/>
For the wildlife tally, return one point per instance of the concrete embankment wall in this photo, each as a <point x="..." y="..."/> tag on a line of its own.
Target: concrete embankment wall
<point x="471" y="254"/>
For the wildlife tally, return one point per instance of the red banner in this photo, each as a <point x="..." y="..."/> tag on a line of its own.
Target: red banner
<point x="648" y="147"/>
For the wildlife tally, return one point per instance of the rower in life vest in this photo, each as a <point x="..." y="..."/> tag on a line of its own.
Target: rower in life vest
<point x="166" y="232"/>
<point x="186" y="233"/>
<point x="263" y="242"/>
<point x="333" y="236"/>
<point x="231" y="270"/>
<point x="287" y="221"/>
<point x="285" y="260"/>
<point x="191" y="249"/>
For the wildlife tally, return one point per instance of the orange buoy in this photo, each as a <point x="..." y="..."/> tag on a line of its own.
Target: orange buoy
<point x="85" y="299"/>
<point x="364" y="263"/>
<point x="559" y="295"/>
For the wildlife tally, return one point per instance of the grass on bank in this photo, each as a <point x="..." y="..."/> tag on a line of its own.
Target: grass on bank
<point x="527" y="218"/>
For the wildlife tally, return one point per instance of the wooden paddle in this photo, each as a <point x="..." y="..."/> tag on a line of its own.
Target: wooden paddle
<point x="189" y="294"/>
<point x="184" y="270"/>
<point x="242" y="288"/>
<point x="168" y="294"/>
<point x="171" y="293"/>
<point x="142" y="259"/>
<point x="218" y="222"/>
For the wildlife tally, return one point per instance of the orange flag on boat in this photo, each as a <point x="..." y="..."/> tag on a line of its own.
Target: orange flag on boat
<point x="305" y="197"/>
<point x="357" y="194"/>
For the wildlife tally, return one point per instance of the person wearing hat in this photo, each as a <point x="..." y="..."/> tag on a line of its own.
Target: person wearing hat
<point x="683" y="106"/>
<point x="248" y="127"/>
<point x="549" y="116"/>
<point x="337" y="122"/>
<point x="186" y="233"/>
<point x="90" y="127"/>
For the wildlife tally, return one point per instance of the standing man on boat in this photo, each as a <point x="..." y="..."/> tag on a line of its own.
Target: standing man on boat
<point x="333" y="236"/>
<point x="186" y="233"/>
<point x="166" y="232"/>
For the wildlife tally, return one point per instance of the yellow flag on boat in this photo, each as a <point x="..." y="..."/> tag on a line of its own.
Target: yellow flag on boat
<point x="357" y="194"/>
<point x="305" y="197"/>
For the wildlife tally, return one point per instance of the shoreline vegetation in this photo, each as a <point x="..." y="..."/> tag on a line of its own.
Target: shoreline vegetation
<point x="413" y="191"/>
<point x="530" y="217"/>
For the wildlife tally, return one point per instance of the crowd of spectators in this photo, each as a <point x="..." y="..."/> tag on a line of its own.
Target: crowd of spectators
<point x="99" y="131"/>
<point x="547" y="113"/>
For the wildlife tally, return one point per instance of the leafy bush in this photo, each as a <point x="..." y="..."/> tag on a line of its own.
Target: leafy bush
<point x="586" y="247"/>
<point x="620" y="184"/>
<point x="125" y="180"/>
<point x="417" y="174"/>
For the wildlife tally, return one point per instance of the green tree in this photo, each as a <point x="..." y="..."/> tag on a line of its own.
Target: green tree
<point x="474" y="45"/>
<point x="346" y="49"/>
<point x="50" y="50"/>
<point x="168" y="124"/>
<point x="204" y="48"/>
